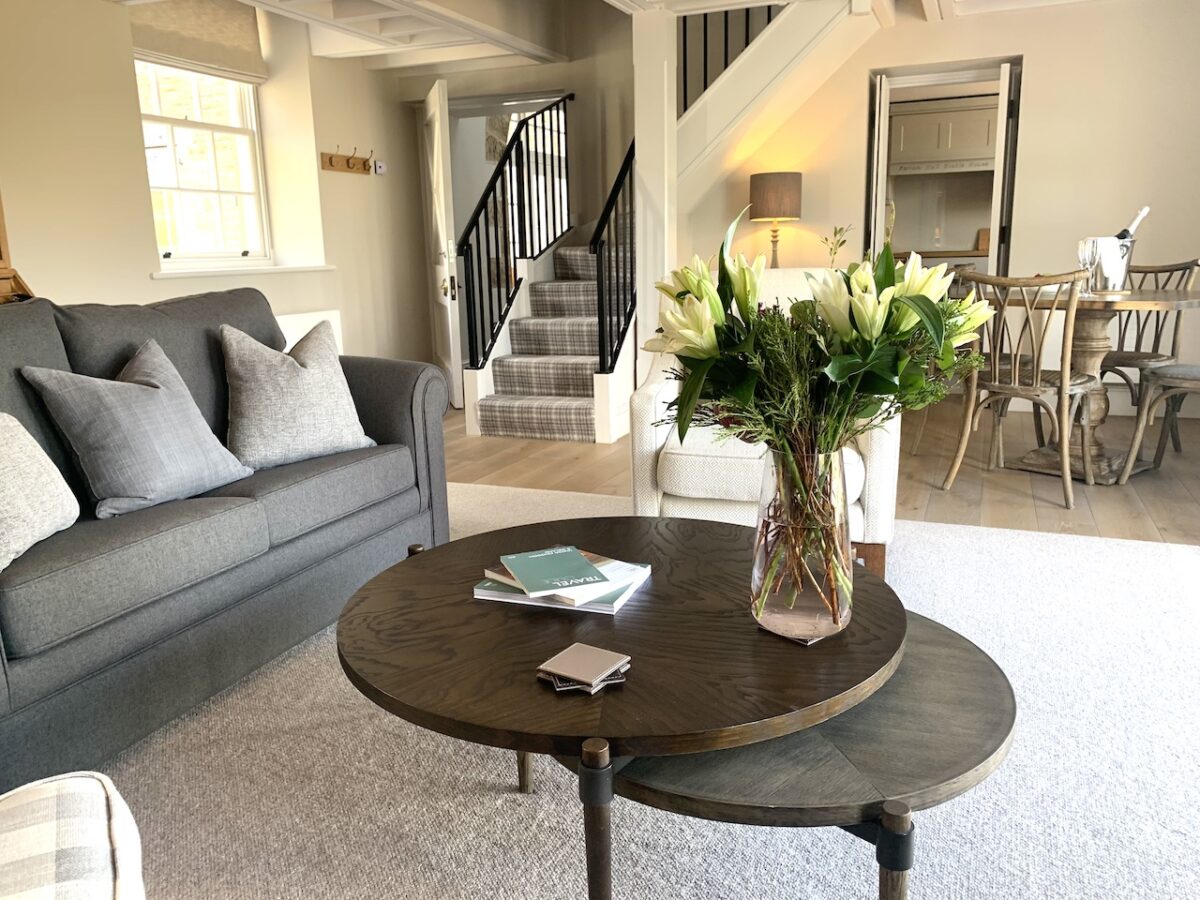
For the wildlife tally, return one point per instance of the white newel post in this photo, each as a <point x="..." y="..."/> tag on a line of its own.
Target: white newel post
<point x="655" y="134"/>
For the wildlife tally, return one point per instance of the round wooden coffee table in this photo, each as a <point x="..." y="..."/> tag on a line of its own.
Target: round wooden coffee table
<point x="704" y="677"/>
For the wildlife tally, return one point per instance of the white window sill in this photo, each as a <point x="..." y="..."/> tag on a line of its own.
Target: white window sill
<point x="235" y="270"/>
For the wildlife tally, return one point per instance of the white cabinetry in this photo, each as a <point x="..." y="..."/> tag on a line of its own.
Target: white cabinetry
<point x="943" y="136"/>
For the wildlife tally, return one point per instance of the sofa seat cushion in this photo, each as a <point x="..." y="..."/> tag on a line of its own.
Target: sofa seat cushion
<point x="99" y="569"/>
<point x="741" y="512"/>
<point x="708" y="466"/>
<point x="301" y="497"/>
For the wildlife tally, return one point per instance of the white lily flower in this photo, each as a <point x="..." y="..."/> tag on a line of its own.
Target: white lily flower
<point x="917" y="280"/>
<point x="832" y="301"/>
<point x="870" y="310"/>
<point x="975" y="313"/>
<point x="695" y="280"/>
<point x="746" y="277"/>
<point x="688" y="329"/>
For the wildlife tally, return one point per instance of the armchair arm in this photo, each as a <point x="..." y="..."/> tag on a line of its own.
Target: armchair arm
<point x="402" y="402"/>
<point x="647" y="406"/>
<point x="880" y="449"/>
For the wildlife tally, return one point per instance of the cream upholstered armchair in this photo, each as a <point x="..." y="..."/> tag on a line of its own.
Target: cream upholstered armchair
<point x="710" y="477"/>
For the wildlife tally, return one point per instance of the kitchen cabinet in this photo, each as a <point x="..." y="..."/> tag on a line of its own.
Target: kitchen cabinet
<point x="950" y="135"/>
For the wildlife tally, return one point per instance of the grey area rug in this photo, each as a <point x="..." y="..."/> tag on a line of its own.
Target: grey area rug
<point x="292" y="785"/>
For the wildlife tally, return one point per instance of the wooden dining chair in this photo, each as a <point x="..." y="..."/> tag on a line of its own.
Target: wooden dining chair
<point x="1161" y="385"/>
<point x="1015" y="344"/>
<point x="1149" y="339"/>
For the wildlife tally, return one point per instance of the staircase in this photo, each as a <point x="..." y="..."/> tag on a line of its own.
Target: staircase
<point x="544" y="388"/>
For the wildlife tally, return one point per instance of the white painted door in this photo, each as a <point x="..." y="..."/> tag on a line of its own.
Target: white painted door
<point x="439" y="220"/>
<point x="1000" y="173"/>
<point x="879" y="164"/>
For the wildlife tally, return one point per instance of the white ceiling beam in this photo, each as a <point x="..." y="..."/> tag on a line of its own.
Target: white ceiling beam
<point x="404" y="26"/>
<point x="885" y="12"/>
<point x="352" y="10"/>
<point x="439" y="12"/>
<point x="932" y="10"/>
<point x="860" y="7"/>
<point x="293" y="11"/>
<point x="407" y="59"/>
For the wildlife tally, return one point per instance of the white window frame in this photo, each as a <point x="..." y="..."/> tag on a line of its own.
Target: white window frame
<point x="250" y="101"/>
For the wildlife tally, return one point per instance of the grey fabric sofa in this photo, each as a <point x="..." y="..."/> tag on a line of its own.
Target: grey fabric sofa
<point x="113" y="627"/>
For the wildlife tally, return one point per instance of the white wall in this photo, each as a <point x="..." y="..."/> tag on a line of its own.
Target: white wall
<point x="77" y="203"/>
<point x="468" y="160"/>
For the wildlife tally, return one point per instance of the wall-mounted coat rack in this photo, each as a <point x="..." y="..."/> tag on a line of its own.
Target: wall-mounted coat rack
<point x="351" y="162"/>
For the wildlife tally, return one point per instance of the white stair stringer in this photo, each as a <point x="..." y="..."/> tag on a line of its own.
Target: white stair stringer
<point x="778" y="73"/>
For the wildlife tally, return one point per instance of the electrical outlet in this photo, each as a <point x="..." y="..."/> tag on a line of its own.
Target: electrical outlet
<point x="380" y="167"/>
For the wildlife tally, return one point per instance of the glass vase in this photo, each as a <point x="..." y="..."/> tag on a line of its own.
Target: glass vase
<point x="802" y="582"/>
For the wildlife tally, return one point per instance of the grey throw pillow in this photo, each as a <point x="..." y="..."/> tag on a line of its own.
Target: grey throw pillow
<point x="35" y="501"/>
<point x="140" y="440"/>
<point x="285" y="407"/>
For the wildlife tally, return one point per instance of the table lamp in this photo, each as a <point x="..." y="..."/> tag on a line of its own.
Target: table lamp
<point x="775" y="198"/>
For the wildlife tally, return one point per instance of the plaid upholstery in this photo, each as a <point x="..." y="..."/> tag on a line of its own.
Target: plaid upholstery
<point x="574" y="264"/>
<point x="553" y="376"/>
<point x="71" y="836"/>
<point x="573" y="336"/>
<point x="549" y="418"/>
<point x="549" y="299"/>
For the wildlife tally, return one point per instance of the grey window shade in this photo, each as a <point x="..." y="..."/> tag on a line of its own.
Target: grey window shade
<point x="219" y="36"/>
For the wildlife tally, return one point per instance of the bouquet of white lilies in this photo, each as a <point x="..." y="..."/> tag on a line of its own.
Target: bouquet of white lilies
<point x="876" y="339"/>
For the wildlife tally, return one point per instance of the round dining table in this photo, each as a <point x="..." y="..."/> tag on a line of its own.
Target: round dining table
<point x="1092" y="342"/>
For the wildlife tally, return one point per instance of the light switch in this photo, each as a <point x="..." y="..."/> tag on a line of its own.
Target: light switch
<point x="380" y="167"/>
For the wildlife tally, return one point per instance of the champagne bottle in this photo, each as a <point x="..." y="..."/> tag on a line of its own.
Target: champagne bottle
<point x="1127" y="232"/>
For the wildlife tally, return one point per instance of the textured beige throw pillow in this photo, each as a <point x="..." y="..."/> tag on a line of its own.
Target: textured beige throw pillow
<point x="285" y="407"/>
<point x="35" y="501"/>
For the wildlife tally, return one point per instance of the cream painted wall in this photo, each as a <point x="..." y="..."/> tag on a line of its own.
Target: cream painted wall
<point x="1105" y="128"/>
<point x="77" y="202"/>
<point x="600" y="72"/>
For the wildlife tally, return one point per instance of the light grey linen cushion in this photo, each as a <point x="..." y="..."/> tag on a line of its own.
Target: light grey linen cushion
<point x="35" y="500"/>
<point x="286" y="407"/>
<point x="140" y="440"/>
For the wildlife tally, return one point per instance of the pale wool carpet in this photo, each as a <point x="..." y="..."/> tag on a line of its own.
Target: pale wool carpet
<point x="291" y="785"/>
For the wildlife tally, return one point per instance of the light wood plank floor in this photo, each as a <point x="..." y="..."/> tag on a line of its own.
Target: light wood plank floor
<point x="1159" y="505"/>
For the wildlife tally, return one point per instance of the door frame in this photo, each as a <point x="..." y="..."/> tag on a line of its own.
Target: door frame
<point x="1007" y="73"/>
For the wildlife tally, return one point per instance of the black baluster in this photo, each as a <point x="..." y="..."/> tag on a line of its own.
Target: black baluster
<point x="471" y="314"/>
<point x="725" y="31"/>
<point x="705" y="23"/>
<point x="683" y="27"/>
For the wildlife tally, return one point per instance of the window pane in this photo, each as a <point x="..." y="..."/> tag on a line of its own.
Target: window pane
<point x="235" y="161"/>
<point x="147" y="89"/>
<point x="176" y="93"/>
<point x="160" y="155"/>
<point x="198" y="220"/>
<point x="220" y="101"/>
<point x="240" y="220"/>
<point x="195" y="159"/>
<point x="163" y="203"/>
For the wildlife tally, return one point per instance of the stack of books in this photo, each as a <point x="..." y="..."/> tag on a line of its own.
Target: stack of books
<point x="582" y="667"/>
<point x="563" y="578"/>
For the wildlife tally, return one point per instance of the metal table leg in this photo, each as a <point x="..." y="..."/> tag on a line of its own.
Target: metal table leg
<point x="596" y="792"/>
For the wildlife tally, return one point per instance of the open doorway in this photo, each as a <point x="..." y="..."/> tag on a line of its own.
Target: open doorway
<point x="944" y="152"/>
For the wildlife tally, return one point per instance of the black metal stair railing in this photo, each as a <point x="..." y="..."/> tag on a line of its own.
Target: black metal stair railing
<point x="710" y="42"/>
<point x="616" y="270"/>
<point x="524" y="209"/>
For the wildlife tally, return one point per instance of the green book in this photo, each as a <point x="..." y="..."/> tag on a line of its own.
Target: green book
<point x="608" y="604"/>
<point x="541" y="572"/>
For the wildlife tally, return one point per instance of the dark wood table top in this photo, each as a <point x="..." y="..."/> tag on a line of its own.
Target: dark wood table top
<point x="704" y="676"/>
<point x="939" y="726"/>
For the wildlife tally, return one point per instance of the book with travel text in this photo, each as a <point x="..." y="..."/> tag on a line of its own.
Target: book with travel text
<point x="616" y="572"/>
<point x="551" y="571"/>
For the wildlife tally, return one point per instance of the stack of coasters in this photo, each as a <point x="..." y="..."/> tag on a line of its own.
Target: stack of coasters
<point x="582" y="667"/>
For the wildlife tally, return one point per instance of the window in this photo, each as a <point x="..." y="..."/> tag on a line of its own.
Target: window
<point x="204" y="159"/>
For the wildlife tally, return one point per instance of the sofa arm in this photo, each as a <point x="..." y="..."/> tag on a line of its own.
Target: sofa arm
<point x="401" y="402"/>
<point x="647" y="406"/>
<point x="880" y="450"/>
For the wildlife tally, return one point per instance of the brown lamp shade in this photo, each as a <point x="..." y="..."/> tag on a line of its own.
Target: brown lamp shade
<point x="775" y="196"/>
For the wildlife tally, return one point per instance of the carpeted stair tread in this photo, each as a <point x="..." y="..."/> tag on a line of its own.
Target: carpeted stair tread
<point x="553" y="299"/>
<point x="542" y="417"/>
<point x="562" y="336"/>
<point x="558" y="376"/>
<point x="574" y="264"/>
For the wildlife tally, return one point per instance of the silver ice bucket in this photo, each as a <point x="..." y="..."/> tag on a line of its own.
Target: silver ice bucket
<point x="1112" y="263"/>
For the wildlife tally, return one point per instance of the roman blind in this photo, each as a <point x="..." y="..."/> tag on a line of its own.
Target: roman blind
<point x="217" y="36"/>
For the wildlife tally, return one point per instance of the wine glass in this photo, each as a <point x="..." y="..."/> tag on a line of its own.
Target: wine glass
<point x="1089" y="255"/>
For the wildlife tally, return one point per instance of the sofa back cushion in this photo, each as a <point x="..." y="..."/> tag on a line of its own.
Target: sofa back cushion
<point x="28" y="337"/>
<point x="100" y="340"/>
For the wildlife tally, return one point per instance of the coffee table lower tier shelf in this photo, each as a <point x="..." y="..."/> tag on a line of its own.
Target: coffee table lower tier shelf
<point x="937" y="728"/>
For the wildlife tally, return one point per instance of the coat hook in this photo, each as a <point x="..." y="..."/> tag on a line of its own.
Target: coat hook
<point x="370" y="155"/>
